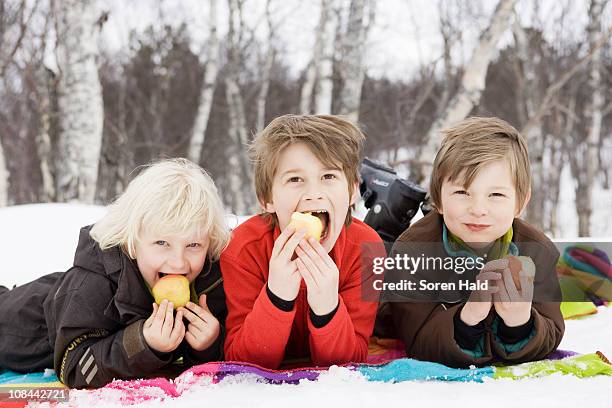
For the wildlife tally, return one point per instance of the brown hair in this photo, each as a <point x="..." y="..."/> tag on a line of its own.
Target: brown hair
<point x="472" y="144"/>
<point x="335" y="141"/>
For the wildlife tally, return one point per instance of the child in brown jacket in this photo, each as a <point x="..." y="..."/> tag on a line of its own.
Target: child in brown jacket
<point x="480" y="185"/>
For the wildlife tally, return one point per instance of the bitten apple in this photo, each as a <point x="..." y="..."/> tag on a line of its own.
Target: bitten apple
<point x="516" y="264"/>
<point x="313" y="225"/>
<point x="174" y="288"/>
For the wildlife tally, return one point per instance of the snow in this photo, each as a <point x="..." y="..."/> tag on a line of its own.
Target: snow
<point x="40" y="238"/>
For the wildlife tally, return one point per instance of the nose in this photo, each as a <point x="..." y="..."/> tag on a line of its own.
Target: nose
<point x="478" y="207"/>
<point x="313" y="192"/>
<point x="176" y="261"/>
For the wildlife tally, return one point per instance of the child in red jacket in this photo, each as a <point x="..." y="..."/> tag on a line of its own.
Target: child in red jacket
<point x="291" y="297"/>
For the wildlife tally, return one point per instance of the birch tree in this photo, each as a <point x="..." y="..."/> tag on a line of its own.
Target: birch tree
<point x="584" y="190"/>
<point x="208" y="87"/>
<point x="318" y="84"/>
<point x="266" y="71"/>
<point x="529" y="98"/>
<point x="44" y="147"/>
<point x="240" y="184"/>
<point x="470" y="90"/>
<point x="16" y="35"/>
<point x="79" y="101"/>
<point x="352" y="70"/>
<point x="4" y="172"/>
<point x="4" y="175"/>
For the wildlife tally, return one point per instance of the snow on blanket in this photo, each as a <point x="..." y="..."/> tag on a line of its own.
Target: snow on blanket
<point x="399" y="370"/>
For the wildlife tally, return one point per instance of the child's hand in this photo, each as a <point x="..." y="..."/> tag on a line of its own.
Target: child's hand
<point x="512" y="306"/>
<point x="203" y="328"/>
<point x="320" y="274"/>
<point x="283" y="278"/>
<point x="478" y="305"/>
<point x="161" y="330"/>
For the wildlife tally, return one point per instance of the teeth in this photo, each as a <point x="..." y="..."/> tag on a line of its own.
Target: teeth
<point x="317" y="211"/>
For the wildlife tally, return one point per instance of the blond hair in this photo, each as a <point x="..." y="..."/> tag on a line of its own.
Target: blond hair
<point x="473" y="143"/>
<point x="173" y="197"/>
<point x="335" y="141"/>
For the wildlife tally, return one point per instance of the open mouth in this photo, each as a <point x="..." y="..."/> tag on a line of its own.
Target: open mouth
<point x="322" y="215"/>
<point x="161" y="274"/>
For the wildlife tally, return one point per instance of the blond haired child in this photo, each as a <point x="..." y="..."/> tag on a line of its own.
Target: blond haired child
<point x="480" y="185"/>
<point x="292" y="299"/>
<point x="97" y="321"/>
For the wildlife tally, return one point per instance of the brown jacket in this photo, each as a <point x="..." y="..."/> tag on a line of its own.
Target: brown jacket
<point x="427" y="329"/>
<point x="87" y="322"/>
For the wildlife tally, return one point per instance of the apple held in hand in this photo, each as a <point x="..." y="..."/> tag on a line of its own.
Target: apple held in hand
<point x="174" y="288"/>
<point x="312" y="224"/>
<point x="516" y="264"/>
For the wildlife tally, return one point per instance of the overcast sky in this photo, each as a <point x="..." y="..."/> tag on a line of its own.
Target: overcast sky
<point x="405" y="35"/>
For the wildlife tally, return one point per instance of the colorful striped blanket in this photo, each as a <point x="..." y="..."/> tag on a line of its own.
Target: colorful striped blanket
<point x="396" y="370"/>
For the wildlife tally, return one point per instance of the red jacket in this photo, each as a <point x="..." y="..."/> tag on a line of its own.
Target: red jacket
<point x="258" y="332"/>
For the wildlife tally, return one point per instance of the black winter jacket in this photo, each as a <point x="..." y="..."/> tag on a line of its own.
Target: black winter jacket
<point x="87" y="322"/>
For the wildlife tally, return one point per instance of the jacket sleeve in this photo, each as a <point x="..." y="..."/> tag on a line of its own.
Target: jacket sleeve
<point x="548" y="321"/>
<point x="90" y="349"/>
<point x="427" y="326"/>
<point x="345" y="338"/>
<point x="211" y="285"/>
<point x="427" y="330"/>
<point x="257" y="331"/>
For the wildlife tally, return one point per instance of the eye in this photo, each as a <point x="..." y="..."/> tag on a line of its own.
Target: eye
<point x="161" y="242"/>
<point x="498" y="195"/>
<point x="460" y="192"/>
<point x="194" y="245"/>
<point x="294" y="179"/>
<point x="329" y="176"/>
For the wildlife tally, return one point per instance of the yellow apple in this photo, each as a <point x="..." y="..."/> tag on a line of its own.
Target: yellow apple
<point x="174" y="288"/>
<point x="313" y="225"/>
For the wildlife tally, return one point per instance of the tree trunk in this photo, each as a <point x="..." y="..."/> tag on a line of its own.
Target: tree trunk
<point x="584" y="205"/>
<point x="529" y="98"/>
<point x="43" y="138"/>
<point x="80" y="102"/>
<point x="4" y="178"/>
<point x="243" y="196"/>
<point x="265" y="76"/>
<point x="470" y="90"/>
<point x="320" y="67"/>
<point x="198" y="131"/>
<point x="352" y="71"/>
<point x="324" y="89"/>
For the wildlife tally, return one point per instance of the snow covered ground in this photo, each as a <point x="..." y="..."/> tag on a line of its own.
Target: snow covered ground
<point x="41" y="238"/>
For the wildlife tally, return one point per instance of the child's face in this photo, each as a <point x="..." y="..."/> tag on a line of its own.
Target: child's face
<point x="485" y="211"/>
<point x="157" y="256"/>
<point x="302" y="183"/>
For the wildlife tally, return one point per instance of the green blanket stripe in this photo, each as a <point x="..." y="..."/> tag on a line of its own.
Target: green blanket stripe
<point x="586" y="365"/>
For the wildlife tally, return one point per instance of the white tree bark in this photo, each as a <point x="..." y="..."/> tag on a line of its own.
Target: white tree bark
<point x="472" y="85"/>
<point x="313" y="71"/>
<point x="80" y="101"/>
<point x="584" y="205"/>
<point x="242" y="191"/>
<point x="352" y="61"/>
<point x="262" y="96"/>
<point x="325" y="87"/>
<point x="198" y="131"/>
<point x="529" y="99"/>
<point x="43" y="138"/>
<point x="4" y="178"/>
